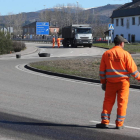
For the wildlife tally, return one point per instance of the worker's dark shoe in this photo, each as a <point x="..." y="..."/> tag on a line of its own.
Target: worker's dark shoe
<point x="101" y="125"/>
<point x="120" y="127"/>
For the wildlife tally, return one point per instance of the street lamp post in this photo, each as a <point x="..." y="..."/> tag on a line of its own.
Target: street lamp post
<point x="77" y="12"/>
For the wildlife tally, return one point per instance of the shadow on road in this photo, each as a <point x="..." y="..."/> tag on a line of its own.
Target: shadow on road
<point x="45" y="124"/>
<point x="28" y="129"/>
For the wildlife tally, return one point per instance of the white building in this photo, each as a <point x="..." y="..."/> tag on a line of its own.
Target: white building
<point x="126" y="20"/>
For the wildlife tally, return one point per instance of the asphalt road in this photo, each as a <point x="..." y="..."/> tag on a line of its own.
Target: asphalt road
<point x="35" y="106"/>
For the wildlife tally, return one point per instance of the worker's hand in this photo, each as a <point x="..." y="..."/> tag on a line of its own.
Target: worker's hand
<point x="104" y="87"/>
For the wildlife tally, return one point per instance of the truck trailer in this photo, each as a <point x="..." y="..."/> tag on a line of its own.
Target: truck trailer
<point x="77" y="35"/>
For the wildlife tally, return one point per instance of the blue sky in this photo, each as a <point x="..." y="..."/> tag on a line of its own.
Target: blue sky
<point x="18" y="6"/>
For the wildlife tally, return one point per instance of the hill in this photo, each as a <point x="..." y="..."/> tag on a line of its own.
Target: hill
<point x="104" y="12"/>
<point x="97" y="17"/>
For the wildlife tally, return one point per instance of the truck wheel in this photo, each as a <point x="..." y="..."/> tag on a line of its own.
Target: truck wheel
<point x="72" y="45"/>
<point x="90" y="46"/>
<point x="65" y="45"/>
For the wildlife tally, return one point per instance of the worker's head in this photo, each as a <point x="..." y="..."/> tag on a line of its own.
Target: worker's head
<point x="119" y="41"/>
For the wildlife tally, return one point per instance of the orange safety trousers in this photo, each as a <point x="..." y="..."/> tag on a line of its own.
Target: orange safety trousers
<point x="113" y="90"/>
<point x="53" y="44"/>
<point x="58" y="45"/>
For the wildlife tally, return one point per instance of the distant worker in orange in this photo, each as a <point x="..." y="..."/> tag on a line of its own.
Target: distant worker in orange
<point x="53" y="41"/>
<point x="115" y="69"/>
<point x="58" y="41"/>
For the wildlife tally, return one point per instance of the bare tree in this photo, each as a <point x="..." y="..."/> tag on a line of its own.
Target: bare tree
<point x="9" y="19"/>
<point x="45" y="15"/>
<point x="19" y="19"/>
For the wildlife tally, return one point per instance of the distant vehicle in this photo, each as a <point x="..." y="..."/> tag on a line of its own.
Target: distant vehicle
<point x="77" y="35"/>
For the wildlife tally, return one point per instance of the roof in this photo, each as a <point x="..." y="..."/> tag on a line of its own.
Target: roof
<point x="30" y="25"/>
<point x="128" y="9"/>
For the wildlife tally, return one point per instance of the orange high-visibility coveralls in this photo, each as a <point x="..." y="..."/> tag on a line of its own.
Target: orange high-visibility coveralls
<point x="53" y="41"/>
<point x="58" y="42"/>
<point x="115" y="69"/>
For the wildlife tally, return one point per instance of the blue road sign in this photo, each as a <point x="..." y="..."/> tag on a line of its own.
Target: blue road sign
<point x="110" y="26"/>
<point x="42" y="28"/>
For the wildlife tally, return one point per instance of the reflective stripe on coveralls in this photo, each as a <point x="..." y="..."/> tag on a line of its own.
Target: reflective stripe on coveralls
<point x="119" y="75"/>
<point x="115" y="69"/>
<point x="105" y="116"/>
<point x="120" y="118"/>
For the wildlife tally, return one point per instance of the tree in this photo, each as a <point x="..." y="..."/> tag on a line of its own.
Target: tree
<point x="19" y="19"/>
<point x="9" y="20"/>
<point x="5" y="43"/>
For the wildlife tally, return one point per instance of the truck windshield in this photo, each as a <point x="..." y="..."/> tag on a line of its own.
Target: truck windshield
<point x="83" y="30"/>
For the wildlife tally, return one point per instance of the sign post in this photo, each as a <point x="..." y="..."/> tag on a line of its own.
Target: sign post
<point x="42" y="28"/>
<point x="110" y="27"/>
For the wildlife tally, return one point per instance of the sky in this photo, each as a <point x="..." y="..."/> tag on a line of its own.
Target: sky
<point x="18" y="6"/>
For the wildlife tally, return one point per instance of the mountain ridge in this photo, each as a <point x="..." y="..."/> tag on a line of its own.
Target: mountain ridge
<point x="103" y="12"/>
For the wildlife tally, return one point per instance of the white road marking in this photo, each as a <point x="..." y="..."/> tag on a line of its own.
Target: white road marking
<point x="83" y="54"/>
<point x="55" y="77"/>
<point x="61" y="78"/>
<point x="137" y="128"/>
<point x="76" y="81"/>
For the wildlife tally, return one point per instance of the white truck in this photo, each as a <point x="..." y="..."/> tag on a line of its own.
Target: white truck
<point x="77" y="35"/>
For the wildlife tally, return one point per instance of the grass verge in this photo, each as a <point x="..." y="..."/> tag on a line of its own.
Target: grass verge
<point x="131" y="48"/>
<point x="83" y="67"/>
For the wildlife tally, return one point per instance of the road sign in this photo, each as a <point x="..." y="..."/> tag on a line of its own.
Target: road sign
<point x="42" y="28"/>
<point x="110" y="26"/>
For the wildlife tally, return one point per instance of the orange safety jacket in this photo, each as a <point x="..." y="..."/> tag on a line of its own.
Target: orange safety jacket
<point x="117" y="65"/>
<point x="58" y="40"/>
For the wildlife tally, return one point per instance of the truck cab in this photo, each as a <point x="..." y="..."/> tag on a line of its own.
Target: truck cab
<point x="83" y="36"/>
<point x="77" y="35"/>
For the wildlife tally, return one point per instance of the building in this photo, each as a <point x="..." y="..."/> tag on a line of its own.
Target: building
<point x="29" y="30"/>
<point x="126" y="20"/>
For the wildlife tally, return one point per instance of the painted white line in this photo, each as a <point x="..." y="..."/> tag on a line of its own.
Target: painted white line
<point x="55" y="77"/>
<point x="64" y="79"/>
<point x="84" y="54"/>
<point x="137" y="128"/>
<point x="70" y="80"/>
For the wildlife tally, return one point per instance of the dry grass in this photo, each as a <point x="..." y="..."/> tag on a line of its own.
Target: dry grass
<point x="84" y="67"/>
<point x="87" y="67"/>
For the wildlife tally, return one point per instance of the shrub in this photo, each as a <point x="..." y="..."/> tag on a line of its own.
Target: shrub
<point x="18" y="46"/>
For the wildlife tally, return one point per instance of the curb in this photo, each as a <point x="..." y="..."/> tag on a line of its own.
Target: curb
<point x="61" y="75"/>
<point x="70" y="76"/>
<point x="17" y="53"/>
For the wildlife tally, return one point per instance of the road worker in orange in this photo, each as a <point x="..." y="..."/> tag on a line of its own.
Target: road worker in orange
<point x="115" y="69"/>
<point x="58" y="42"/>
<point x="53" y="41"/>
